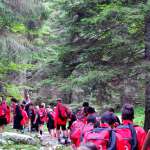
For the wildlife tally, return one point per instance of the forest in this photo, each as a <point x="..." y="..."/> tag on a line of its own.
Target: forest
<point x="80" y="50"/>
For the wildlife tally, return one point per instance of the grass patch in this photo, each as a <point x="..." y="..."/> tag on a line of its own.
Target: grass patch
<point x="139" y="116"/>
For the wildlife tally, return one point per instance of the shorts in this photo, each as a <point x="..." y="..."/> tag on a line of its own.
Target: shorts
<point x="63" y="127"/>
<point x="3" y="121"/>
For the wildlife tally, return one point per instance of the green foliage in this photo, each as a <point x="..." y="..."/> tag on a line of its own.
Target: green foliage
<point x="6" y="17"/>
<point x="77" y="43"/>
<point x="19" y="67"/>
<point x="18" y="28"/>
<point x="95" y="32"/>
<point x="13" y="90"/>
<point x="90" y="79"/>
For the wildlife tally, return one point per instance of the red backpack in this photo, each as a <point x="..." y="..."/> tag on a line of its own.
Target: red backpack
<point x="76" y="132"/>
<point x="103" y="138"/>
<point x="128" y="133"/>
<point x="42" y="115"/>
<point x="88" y="127"/>
<point x="62" y="112"/>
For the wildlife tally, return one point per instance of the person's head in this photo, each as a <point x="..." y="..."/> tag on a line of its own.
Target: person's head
<point x="127" y="112"/>
<point x="91" y="119"/>
<point x="110" y="109"/>
<point x="85" y="104"/>
<point x="48" y="109"/>
<point x="109" y="118"/>
<point x="26" y="96"/>
<point x="31" y="106"/>
<point x="3" y="101"/>
<point x="3" y="98"/>
<point x="36" y="108"/>
<point x="22" y="106"/>
<point x="91" y="110"/>
<point x="42" y="105"/>
<point x="59" y="100"/>
<point x="14" y="100"/>
<point x="88" y="146"/>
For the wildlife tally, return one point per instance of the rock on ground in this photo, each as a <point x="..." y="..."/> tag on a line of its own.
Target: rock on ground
<point x="18" y="138"/>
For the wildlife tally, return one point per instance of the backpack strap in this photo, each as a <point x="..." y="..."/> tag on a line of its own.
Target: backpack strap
<point x="134" y="138"/>
<point x="82" y="134"/>
<point x="112" y="140"/>
<point x="99" y="129"/>
<point x="123" y="127"/>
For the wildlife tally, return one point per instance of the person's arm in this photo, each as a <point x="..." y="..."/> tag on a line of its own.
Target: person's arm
<point x="146" y="145"/>
<point x="36" y="117"/>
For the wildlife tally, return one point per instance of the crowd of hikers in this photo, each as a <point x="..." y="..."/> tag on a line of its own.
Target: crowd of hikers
<point x="83" y="129"/>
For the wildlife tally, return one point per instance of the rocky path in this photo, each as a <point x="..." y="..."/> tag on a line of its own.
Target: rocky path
<point x="50" y="143"/>
<point x="43" y="143"/>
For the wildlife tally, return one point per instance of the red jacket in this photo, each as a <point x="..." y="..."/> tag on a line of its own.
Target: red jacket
<point x="25" y="117"/>
<point x="5" y="113"/>
<point x="64" y="110"/>
<point x="42" y="114"/>
<point x="2" y="113"/>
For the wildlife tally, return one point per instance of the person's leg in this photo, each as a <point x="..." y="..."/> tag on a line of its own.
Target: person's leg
<point x="1" y="128"/>
<point x="64" y="130"/>
<point x="52" y="133"/>
<point x="22" y="129"/>
<point x="29" y="125"/>
<point x="54" y="130"/>
<point x="41" y="129"/>
<point x="58" y="131"/>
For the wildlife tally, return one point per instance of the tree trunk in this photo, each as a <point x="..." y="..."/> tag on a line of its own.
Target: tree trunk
<point x="129" y="92"/>
<point x="147" y="36"/>
<point x="147" y="104"/>
<point x="147" y="57"/>
<point x="102" y="94"/>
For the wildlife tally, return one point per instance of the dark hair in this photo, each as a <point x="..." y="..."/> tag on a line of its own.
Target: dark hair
<point x="14" y="100"/>
<point x="41" y="106"/>
<point x="91" y="110"/>
<point x="127" y="112"/>
<point x="111" y="109"/>
<point x="85" y="104"/>
<point x="108" y="117"/>
<point x="91" y="119"/>
<point x="22" y="106"/>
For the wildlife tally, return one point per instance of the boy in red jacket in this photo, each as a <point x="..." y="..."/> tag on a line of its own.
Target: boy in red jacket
<point x="61" y="112"/>
<point x="4" y="114"/>
<point x="104" y="137"/>
<point x="24" y="120"/>
<point x="130" y="131"/>
<point x="41" y="117"/>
